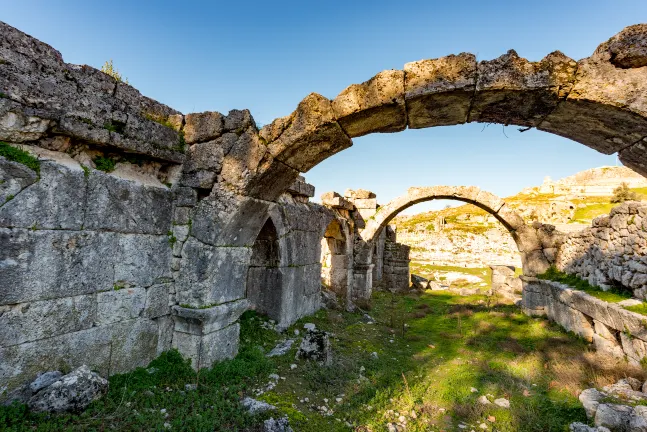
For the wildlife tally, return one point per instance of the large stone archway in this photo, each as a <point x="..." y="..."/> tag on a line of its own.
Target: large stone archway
<point x="598" y="101"/>
<point x="527" y="238"/>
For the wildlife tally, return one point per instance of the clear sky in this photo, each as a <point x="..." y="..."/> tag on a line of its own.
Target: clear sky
<point x="267" y="56"/>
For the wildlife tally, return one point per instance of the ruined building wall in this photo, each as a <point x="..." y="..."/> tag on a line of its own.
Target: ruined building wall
<point x="612" y="252"/>
<point x="116" y="244"/>
<point x="395" y="276"/>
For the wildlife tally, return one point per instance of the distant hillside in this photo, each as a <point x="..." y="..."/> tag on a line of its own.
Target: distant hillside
<point x="471" y="236"/>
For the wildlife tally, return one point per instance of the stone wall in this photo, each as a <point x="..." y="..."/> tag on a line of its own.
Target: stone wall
<point x="612" y="329"/>
<point x="612" y="252"/>
<point x="395" y="275"/>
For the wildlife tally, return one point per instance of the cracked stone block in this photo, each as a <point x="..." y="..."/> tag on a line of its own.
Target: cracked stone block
<point x="376" y="105"/>
<point x="120" y="304"/>
<point x="211" y="275"/>
<point x="439" y="92"/>
<point x="125" y="206"/>
<point x="27" y="322"/>
<point x="142" y="260"/>
<point x="42" y="264"/>
<point x="14" y="177"/>
<point x="56" y="201"/>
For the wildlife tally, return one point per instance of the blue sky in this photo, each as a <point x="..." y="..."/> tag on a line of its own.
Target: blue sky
<point x="267" y="56"/>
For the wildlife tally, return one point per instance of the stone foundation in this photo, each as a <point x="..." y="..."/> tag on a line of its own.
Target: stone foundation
<point x="611" y="328"/>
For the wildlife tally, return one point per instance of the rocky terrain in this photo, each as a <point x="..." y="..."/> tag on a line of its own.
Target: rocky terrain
<point x="467" y="236"/>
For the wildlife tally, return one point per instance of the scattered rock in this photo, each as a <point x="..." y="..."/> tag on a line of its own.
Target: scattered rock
<point x="72" y="392"/>
<point x="368" y="319"/>
<point x="638" y="421"/>
<point x="309" y="326"/>
<point x="473" y="390"/>
<point x="502" y="402"/>
<point x="315" y="346"/>
<point x="190" y="387"/>
<point x="614" y="417"/>
<point x="281" y="348"/>
<point x="581" y="427"/>
<point x="44" y="380"/>
<point x="254" y="406"/>
<point x="590" y="399"/>
<point x="374" y="355"/>
<point x="280" y="425"/>
<point x="329" y="300"/>
<point x="484" y="400"/>
<point x="293" y="366"/>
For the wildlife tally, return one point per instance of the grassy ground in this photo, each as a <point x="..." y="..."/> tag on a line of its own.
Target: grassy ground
<point x="432" y="348"/>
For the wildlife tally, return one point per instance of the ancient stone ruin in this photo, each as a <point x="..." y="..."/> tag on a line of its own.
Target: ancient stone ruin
<point x="134" y="228"/>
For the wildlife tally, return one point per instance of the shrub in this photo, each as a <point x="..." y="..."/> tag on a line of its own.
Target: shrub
<point x="109" y="69"/>
<point x="622" y="193"/>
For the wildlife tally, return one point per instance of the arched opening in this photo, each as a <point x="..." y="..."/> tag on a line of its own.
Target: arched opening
<point x="526" y="237"/>
<point x="334" y="259"/>
<point x="264" y="279"/>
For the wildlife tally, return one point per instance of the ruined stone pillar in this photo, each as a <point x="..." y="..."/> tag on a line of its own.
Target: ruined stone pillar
<point x="208" y="335"/>
<point x="362" y="283"/>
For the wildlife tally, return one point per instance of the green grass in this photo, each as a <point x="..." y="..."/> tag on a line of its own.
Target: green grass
<point x="17" y="155"/>
<point x="613" y="295"/>
<point x="590" y="211"/>
<point x="105" y="164"/>
<point x="432" y="348"/>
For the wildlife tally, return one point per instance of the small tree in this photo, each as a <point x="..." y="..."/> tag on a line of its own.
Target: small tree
<point x="622" y="193"/>
<point x="109" y="69"/>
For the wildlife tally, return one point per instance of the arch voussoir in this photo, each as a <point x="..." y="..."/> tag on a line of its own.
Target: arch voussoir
<point x="376" y="105"/>
<point x="438" y="92"/>
<point x="307" y="136"/>
<point x="513" y="90"/>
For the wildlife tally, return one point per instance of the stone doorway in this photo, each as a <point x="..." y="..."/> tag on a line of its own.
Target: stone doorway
<point x="264" y="278"/>
<point x="334" y="259"/>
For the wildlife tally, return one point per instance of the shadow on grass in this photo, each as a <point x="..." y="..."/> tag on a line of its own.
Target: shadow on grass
<point x="430" y="351"/>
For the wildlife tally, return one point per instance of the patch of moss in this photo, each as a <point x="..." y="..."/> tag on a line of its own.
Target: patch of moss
<point x="17" y="155"/>
<point x="115" y="126"/>
<point x="158" y="119"/>
<point x="104" y="163"/>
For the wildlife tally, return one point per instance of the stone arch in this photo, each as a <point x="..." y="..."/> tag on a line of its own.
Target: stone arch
<point x="526" y="237"/>
<point x="599" y="101"/>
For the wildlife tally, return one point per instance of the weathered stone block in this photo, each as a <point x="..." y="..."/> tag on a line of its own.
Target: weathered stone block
<point x="27" y="322"/>
<point x="22" y="363"/>
<point x="120" y="305"/>
<point x="125" y="206"/>
<point x="133" y="344"/>
<point x="208" y="349"/>
<point x="204" y="156"/>
<point x="56" y="201"/>
<point x="376" y="105"/>
<point x="157" y="301"/>
<point x="439" y="91"/>
<point x="512" y="90"/>
<point x="142" y="260"/>
<point x="211" y="275"/>
<point x="306" y="137"/>
<point x="41" y="264"/>
<point x="209" y="320"/>
<point x="184" y="196"/>
<point x="14" y="177"/>
<point x="165" y="334"/>
<point x="205" y="126"/>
